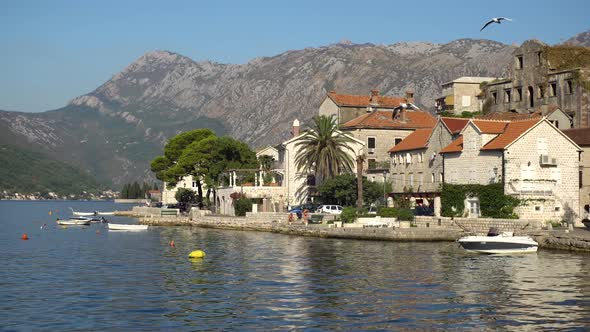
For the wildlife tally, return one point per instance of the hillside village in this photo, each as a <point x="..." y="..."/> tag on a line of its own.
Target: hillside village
<point x="527" y="133"/>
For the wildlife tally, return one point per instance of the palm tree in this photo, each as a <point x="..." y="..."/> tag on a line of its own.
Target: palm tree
<point x="324" y="151"/>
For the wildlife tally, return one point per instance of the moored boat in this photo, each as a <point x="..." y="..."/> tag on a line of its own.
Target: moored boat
<point x="74" y="221"/>
<point x="83" y="214"/>
<point x="127" y="227"/>
<point x="101" y="213"/>
<point x="499" y="243"/>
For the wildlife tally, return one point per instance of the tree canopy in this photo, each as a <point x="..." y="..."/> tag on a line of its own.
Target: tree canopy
<point x="342" y="190"/>
<point x="204" y="156"/>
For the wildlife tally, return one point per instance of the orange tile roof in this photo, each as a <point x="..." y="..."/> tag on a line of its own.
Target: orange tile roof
<point x="490" y="126"/>
<point x="455" y="125"/>
<point x="455" y="146"/>
<point x="513" y="131"/>
<point x="579" y="135"/>
<point x="384" y="120"/>
<point x="364" y="101"/>
<point x="416" y="140"/>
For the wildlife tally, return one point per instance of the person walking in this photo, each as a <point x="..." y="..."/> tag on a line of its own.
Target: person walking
<point x="305" y="216"/>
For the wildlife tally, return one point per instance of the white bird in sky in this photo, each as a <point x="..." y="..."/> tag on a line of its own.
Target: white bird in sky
<point x="495" y="20"/>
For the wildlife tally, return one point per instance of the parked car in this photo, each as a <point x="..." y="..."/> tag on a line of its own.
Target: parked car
<point x="331" y="209"/>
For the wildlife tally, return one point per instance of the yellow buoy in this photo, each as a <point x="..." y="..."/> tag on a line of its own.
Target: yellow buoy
<point x="197" y="254"/>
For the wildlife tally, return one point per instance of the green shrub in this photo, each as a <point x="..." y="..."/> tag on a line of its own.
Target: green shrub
<point x="492" y="200"/>
<point x="242" y="206"/>
<point x="387" y="212"/>
<point x="348" y="214"/>
<point x="405" y="214"/>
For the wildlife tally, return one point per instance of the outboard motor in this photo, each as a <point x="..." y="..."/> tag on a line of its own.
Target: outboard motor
<point x="493" y="231"/>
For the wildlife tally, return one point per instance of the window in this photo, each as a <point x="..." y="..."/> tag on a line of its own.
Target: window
<point x="542" y="147"/>
<point x="538" y="208"/>
<point x="495" y="97"/>
<point x="580" y="177"/>
<point x="194" y="184"/>
<point x="411" y="179"/>
<point x="538" y="57"/>
<point x="432" y="178"/>
<point x="519" y="62"/>
<point x="557" y="209"/>
<point x="420" y="179"/>
<point x="372" y="163"/>
<point x="540" y="91"/>
<point x="518" y="94"/>
<point x="569" y="87"/>
<point x="371" y="144"/>
<point x="552" y="89"/>
<point x="473" y="208"/>
<point x="465" y="101"/>
<point x="441" y="177"/>
<point x="507" y="96"/>
<point x="397" y="141"/>
<point x="408" y="158"/>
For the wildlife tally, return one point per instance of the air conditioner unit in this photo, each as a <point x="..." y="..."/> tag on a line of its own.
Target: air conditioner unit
<point x="546" y="160"/>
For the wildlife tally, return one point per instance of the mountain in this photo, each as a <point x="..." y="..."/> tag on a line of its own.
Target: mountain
<point x="581" y="39"/>
<point x="115" y="130"/>
<point x="25" y="171"/>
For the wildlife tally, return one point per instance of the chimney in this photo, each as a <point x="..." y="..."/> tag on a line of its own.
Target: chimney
<point x="373" y="100"/>
<point x="410" y="96"/>
<point x="402" y="114"/>
<point x="295" y="130"/>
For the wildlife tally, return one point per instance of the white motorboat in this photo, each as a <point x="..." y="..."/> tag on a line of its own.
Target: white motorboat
<point x="127" y="227"/>
<point x="74" y="221"/>
<point x="499" y="243"/>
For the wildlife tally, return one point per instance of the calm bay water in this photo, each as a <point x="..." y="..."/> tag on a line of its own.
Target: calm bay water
<point x="89" y="278"/>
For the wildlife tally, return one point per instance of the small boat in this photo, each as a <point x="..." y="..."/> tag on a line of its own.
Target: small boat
<point x="74" y="221"/>
<point x="98" y="219"/>
<point x="127" y="227"/>
<point x="87" y="214"/>
<point x="100" y="213"/>
<point x="499" y="243"/>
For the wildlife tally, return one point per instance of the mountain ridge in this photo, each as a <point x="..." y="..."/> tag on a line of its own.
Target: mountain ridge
<point x="116" y="129"/>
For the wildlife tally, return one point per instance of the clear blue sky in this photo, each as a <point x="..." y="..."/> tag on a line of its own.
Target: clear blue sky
<point x="53" y="51"/>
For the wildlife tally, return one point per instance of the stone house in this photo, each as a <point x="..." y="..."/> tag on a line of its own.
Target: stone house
<point x="379" y="131"/>
<point x="347" y="107"/>
<point x="416" y="165"/>
<point x="582" y="137"/>
<point x="187" y="182"/>
<point x="544" y="75"/>
<point x="461" y="95"/>
<point x="535" y="162"/>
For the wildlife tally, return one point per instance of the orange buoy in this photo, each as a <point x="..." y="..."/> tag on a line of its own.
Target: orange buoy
<point x="25" y="236"/>
<point x="172" y="243"/>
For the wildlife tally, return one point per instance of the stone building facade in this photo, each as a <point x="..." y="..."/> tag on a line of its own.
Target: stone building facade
<point x="544" y="75"/>
<point x="379" y="131"/>
<point x="416" y="164"/>
<point x="347" y="107"/>
<point x="461" y="95"/>
<point x="582" y="137"/>
<point x="533" y="159"/>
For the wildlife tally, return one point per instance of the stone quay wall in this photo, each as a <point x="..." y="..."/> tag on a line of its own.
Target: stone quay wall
<point x="479" y="225"/>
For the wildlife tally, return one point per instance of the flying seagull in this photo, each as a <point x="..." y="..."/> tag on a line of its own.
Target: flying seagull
<point x="495" y="20"/>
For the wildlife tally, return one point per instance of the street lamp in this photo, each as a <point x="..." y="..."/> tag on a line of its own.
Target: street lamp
<point x="384" y="180"/>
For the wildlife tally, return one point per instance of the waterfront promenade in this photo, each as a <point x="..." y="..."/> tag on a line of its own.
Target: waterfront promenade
<point x="558" y="238"/>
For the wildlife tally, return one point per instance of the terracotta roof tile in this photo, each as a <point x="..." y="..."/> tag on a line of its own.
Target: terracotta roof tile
<point x="455" y="146"/>
<point x="579" y="135"/>
<point x="509" y="116"/>
<point x="384" y="120"/>
<point x="490" y="126"/>
<point x="455" y="125"/>
<point x="416" y="140"/>
<point x="364" y="101"/>
<point x="513" y="131"/>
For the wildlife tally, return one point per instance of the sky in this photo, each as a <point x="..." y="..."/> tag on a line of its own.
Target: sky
<point x="53" y="51"/>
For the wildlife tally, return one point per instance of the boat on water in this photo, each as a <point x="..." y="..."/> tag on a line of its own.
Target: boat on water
<point x="496" y="242"/>
<point x="83" y="214"/>
<point x="74" y="221"/>
<point x="127" y="227"/>
<point x="101" y="213"/>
